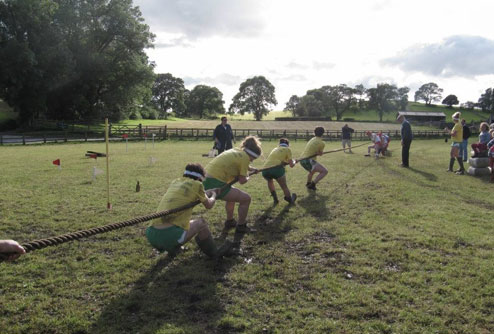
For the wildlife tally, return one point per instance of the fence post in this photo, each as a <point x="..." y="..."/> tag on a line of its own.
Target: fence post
<point x="296" y="135"/>
<point x="44" y="138"/>
<point x="65" y="136"/>
<point x="164" y="133"/>
<point x="85" y="136"/>
<point x="23" y="140"/>
<point x="1" y="140"/>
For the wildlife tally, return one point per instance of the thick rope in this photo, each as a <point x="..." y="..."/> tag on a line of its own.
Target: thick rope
<point x="57" y="240"/>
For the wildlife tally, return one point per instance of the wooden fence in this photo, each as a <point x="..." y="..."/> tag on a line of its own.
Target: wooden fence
<point x="167" y="133"/>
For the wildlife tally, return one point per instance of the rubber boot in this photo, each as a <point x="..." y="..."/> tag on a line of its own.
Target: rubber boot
<point x="462" y="169"/>
<point x="451" y="163"/>
<point x="275" y="197"/>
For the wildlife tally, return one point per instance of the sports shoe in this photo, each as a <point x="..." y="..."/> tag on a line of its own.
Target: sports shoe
<point x="311" y="186"/>
<point x="230" y="223"/>
<point x="367" y="155"/>
<point x="292" y="199"/>
<point x="449" y="170"/>
<point x="242" y="229"/>
<point x="460" y="172"/>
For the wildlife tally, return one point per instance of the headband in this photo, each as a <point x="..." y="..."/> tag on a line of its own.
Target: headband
<point x="252" y="154"/>
<point x="188" y="172"/>
<point x="284" y="144"/>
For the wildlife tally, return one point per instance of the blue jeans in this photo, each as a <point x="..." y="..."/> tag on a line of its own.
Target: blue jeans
<point x="464" y="149"/>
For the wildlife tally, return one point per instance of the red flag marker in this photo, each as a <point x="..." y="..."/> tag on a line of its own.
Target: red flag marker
<point x="56" y="162"/>
<point x="94" y="156"/>
<point x="125" y="136"/>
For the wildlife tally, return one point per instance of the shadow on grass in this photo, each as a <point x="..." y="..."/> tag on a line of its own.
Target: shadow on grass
<point x="176" y="296"/>
<point x="429" y="176"/>
<point x="315" y="205"/>
<point x="271" y="228"/>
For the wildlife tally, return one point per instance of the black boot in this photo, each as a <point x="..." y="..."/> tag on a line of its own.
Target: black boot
<point x="462" y="169"/>
<point x="209" y="247"/>
<point x="451" y="163"/>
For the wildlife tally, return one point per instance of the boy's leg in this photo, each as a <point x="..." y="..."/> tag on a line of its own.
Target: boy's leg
<point x="318" y="168"/>
<point x="243" y="199"/>
<point x="272" y="190"/>
<point x="290" y="198"/>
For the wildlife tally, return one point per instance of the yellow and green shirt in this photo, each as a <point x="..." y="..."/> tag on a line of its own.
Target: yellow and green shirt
<point x="277" y="156"/>
<point x="181" y="191"/>
<point x="314" y="146"/>
<point x="459" y="133"/>
<point x="228" y="165"/>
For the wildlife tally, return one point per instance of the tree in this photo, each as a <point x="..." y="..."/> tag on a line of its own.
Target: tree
<point x="309" y="106"/>
<point x="450" y="100"/>
<point x="73" y="59"/>
<point x="291" y="105"/>
<point x="486" y="100"/>
<point x="168" y="94"/>
<point x="341" y="98"/>
<point x="384" y="98"/>
<point x="403" y="97"/>
<point x="205" y="101"/>
<point x="428" y="93"/>
<point x="468" y="105"/>
<point x="255" y="95"/>
<point x="359" y="92"/>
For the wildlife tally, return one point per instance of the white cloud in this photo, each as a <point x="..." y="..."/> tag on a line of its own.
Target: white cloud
<point x="466" y="56"/>
<point x="199" y="19"/>
<point x="301" y="45"/>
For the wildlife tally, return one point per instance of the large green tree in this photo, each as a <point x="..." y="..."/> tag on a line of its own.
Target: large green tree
<point x="486" y="100"/>
<point x="291" y="105"/>
<point x="341" y="99"/>
<point x="255" y="95"/>
<point x="73" y="59"/>
<point x="450" y="100"/>
<point x="168" y="94"/>
<point x="385" y="98"/>
<point x="429" y="92"/>
<point x="205" y="101"/>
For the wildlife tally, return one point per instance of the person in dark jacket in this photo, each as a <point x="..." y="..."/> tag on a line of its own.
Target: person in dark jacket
<point x="406" y="140"/>
<point x="223" y="136"/>
<point x="346" y="138"/>
<point x="464" y="143"/>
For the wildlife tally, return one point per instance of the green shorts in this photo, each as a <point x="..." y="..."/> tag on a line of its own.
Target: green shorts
<point x="212" y="183"/>
<point x="308" y="164"/>
<point x="166" y="239"/>
<point x="274" y="173"/>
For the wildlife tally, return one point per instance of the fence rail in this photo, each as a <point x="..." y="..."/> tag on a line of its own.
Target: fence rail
<point x="167" y="133"/>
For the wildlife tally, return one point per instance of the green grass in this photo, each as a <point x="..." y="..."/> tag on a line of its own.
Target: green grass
<point x="377" y="249"/>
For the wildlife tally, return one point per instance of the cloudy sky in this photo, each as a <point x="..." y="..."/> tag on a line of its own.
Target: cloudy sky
<point x="301" y="45"/>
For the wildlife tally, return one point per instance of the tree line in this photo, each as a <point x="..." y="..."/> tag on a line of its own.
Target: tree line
<point x="83" y="60"/>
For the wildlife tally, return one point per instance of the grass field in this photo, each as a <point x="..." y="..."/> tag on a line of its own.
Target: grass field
<point x="377" y="249"/>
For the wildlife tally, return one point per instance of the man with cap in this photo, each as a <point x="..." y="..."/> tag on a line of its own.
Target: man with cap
<point x="406" y="139"/>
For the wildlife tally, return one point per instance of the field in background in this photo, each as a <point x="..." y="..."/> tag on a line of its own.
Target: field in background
<point x="377" y="249"/>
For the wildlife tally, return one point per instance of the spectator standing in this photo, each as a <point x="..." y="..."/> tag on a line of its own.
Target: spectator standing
<point x="464" y="143"/>
<point x="223" y="136"/>
<point x="457" y="137"/>
<point x="346" y="138"/>
<point x="406" y="140"/>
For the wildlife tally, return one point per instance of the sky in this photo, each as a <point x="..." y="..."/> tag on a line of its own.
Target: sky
<point x="302" y="45"/>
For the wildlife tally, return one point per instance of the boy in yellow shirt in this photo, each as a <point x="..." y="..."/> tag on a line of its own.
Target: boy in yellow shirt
<point x="314" y="147"/>
<point x="279" y="155"/>
<point x="456" y="138"/>
<point x="170" y="232"/>
<point x="225" y="168"/>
